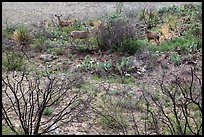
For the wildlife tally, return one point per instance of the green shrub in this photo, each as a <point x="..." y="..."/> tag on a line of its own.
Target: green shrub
<point x="109" y="121"/>
<point x="57" y="51"/>
<point x="81" y="48"/>
<point x="48" y="111"/>
<point x="131" y="46"/>
<point x="13" y="61"/>
<point x="195" y="30"/>
<point x="175" y="58"/>
<point x="119" y="6"/>
<point x="8" y="30"/>
<point x="39" y="44"/>
<point x="93" y="42"/>
<point x="128" y="80"/>
<point x="172" y="10"/>
<point x="183" y="43"/>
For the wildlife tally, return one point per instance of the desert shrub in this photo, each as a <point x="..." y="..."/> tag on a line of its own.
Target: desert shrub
<point x="93" y="43"/>
<point x="183" y="104"/>
<point x="117" y="34"/>
<point x="128" y="80"/>
<point x="195" y="30"/>
<point x="110" y="115"/>
<point x="174" y="9"/>
<point x="109" y="121"/>
<point x="13" y="61"/>
<point x="132" y="45"/>
<point x="8" y="30"/>
<point x="21" y="35"/>
<point x="130" y="13"/>
<point x="172" y="22"/>
<point x="175" y="58"/>
<point x="119" y="6"/>
<point x="57" y="51"/>
<point x="149" y="17"/>
<point x="81" y="48"/>
<point x="39" y="44"/>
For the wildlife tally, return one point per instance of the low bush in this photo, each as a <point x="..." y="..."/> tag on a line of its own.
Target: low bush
<point x="175" y="58"/>
<point x="118" y="35"/>
<point x="8" y="30"/>
<point x="183" y="43"/>
<point x="131" y="46"/>
<point x="13" y="62"/>
<point x="57" y="51"/>
<point x="109" y="121"/>
<point x="39" y="45"/>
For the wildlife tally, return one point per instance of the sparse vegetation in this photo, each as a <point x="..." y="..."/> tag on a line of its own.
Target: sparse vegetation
<point x="111" y="79"/>
<point x="13" y="62"/>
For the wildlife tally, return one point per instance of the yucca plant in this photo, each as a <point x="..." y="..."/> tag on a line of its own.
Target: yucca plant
<point x="149" y="17"/>
<point x="21" y="35"/>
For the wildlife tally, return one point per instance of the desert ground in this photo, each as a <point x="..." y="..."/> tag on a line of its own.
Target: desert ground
<point x="33" y="12"/>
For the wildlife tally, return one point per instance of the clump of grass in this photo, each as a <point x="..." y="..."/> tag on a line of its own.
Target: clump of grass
<point x="39" y="44"/>
<point x="183" y="43"/>
<point x="128" y="80"/>
<point x="132" y="45"/>
<point x="21" y="35"/>
<point x="8" y="30"/>
<point x="57" y="51"/>
<point x="112" y="122"/>
<point x="111" y="116"/>
<point x="48" y="111"/>
<point x="13" y="61"/>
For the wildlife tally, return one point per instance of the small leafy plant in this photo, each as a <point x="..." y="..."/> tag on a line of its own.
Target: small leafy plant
<point x="48" y="111"/>
<point x="175" y="58"/>
<point x="13" y="61"/>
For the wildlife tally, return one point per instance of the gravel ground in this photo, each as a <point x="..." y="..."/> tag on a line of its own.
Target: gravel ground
<point x="33" y="12"/>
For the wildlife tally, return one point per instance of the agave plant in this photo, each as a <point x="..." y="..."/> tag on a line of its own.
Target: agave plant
<point x="21" y="36"/>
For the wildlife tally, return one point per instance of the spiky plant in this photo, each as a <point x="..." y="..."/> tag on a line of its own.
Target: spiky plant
<point x="21" y="35"/>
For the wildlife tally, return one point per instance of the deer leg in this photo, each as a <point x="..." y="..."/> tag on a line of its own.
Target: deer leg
<point x="148" y="40"/>
<point x="157" y="41"/>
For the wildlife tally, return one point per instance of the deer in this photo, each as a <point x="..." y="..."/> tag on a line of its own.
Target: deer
<point x="63" y="23"/>
<point x="80" y="34"/>
<point x="152" y="36"/>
